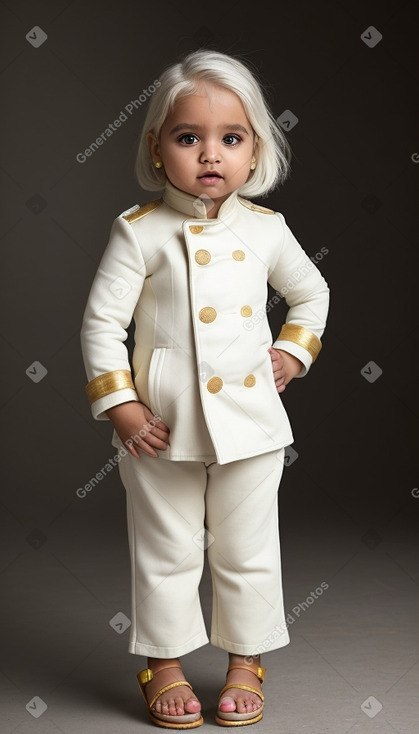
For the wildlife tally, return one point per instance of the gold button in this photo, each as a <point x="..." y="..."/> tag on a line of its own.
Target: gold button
<point x="246" y="311"/>
<point x="207" y="314"/>
<point x="238" y="255"/>
<point x="249" y="381"/>
<point x="196" y="228"/>
<point x="202" y="257"/>
<point x="214" y="384"/>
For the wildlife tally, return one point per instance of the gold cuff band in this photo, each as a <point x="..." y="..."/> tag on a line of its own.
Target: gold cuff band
<point x="301" y="336"/>
<point x="107" y="383"/>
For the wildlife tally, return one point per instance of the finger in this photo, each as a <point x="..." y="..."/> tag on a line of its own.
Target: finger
<point x="141" y="445"/>
<point x="160" y="433"/>
<point x="155" y="420"/>
<point x="158" y="439"/>
<point x="275" y="356"/>
<point x="131" y="448"/>
<point x="150" y="444"/>
<point x="155" y="442"/>
<point x="162" y="426"/>
<point x="275" y="352"/>
<point x="278" y="374"/>
<point x="153" y="424"/>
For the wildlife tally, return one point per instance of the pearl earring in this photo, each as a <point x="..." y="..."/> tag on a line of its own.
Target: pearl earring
<point x="158" y="164"/>
<point x="253" y="164"/>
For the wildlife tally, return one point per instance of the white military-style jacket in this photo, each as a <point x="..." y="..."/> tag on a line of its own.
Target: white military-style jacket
<point x="197" y="291"/>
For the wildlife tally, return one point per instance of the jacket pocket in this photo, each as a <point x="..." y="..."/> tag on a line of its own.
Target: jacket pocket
<point x="154" y="379"/>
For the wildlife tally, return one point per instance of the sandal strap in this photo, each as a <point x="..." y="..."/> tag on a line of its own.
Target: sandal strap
<point x="242" y="688"/>
<point x="259" y="674"/>
<point x="147" y="675"/>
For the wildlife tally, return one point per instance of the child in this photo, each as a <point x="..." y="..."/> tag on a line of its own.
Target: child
<point x="198" y="422"/>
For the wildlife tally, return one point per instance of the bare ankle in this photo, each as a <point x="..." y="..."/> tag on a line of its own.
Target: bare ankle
<point x="249" y="660"/>
<point x="157" y="664"/>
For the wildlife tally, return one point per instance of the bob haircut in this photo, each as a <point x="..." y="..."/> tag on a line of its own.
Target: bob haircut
<point x="183" y="79"/>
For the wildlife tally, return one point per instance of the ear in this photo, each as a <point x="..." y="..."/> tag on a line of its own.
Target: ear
<point x="256" y="147"/>
<point x="153" y="146"/>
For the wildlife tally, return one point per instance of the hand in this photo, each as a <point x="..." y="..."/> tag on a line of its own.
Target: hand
<point x="284" y="366"/>
<point x="138" y="429"/>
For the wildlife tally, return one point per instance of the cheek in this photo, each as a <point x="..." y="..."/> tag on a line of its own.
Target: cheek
<point x="176" y="159"/>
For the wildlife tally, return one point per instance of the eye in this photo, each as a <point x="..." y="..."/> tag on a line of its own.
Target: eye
<point x="231" y="139"/>
<point x="188" y="139"/>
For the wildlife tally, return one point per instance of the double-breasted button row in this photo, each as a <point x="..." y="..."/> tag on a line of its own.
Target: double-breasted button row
<point x="215" y="384"/>
<point x="203" y="257"/>
<point x="208" y="314"/>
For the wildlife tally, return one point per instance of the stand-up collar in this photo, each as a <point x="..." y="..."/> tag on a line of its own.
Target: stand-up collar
<point x="194" y="206"/>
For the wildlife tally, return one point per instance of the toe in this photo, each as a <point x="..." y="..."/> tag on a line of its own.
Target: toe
<point x="192" y="706"/>
<point x="227" y="704"/>
<point x="240" y="705"/>
<point x="164" y="708"/>
<point x="179" y="704"/>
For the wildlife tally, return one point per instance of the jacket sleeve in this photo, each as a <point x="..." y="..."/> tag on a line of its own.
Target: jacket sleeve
<point x="306" y="293"/>
<point x="110" y="306"/>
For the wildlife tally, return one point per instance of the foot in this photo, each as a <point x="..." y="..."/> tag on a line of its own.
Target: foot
<point x="177" y="701"/>
<point x="235" y="699"/>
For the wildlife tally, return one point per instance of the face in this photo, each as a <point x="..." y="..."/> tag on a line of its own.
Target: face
<point x="206" y="144"/>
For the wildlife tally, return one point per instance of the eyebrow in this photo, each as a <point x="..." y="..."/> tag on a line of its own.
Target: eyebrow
<point x="192" y="126"/>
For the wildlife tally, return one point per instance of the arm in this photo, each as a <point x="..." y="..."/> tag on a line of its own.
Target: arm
<point x="306" y="293"/>
<point x="112" y="299"/>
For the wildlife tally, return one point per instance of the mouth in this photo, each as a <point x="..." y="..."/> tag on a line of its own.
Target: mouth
<point x="210" y="176"/>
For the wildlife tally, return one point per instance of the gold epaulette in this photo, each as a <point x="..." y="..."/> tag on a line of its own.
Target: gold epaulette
<point x="142" y="211"/>
<point x="255" y="207"/>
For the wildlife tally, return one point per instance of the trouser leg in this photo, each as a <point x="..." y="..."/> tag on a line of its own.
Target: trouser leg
<point x="244" y="554"/>
<point x="165" y="512"/>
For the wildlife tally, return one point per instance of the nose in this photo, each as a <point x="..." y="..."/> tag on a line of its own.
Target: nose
<point x="210" y="155"/>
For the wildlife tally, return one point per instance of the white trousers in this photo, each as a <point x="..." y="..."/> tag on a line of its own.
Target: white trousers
<point x="178" y="509"/>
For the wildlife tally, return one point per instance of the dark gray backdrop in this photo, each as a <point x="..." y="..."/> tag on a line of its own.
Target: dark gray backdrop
<point x="347" y="71"/>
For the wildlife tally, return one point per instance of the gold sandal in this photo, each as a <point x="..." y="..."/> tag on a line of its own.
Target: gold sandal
<point x="186" y="721"/>
<point x="233" y="718"/>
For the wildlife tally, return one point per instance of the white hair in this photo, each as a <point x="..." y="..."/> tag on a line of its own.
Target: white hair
<point x="181" y="80"/>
